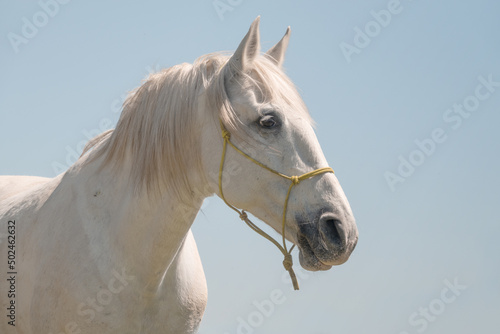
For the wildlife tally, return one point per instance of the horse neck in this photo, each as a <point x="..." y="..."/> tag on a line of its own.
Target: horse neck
<point x="138" y="231"/>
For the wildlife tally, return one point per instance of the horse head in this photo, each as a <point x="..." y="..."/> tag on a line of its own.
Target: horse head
<point x="272" y="144"/>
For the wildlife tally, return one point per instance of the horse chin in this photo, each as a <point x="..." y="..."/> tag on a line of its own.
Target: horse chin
<point x="308" y="260"/>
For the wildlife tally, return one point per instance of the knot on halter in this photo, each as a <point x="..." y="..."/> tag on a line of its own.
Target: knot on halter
<point x="243" y="215"/>
<point x="225" y="134"/>
<point x="288" y="262"/>
<point x="295" y="179"/>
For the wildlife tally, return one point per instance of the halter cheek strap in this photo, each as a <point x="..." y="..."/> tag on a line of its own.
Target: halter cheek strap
<point x="294" y="180"/>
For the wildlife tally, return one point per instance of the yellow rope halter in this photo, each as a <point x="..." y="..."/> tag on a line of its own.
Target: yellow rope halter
<point x="287" y="262"/>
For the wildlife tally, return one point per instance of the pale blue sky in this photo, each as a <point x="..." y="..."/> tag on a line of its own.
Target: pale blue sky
<point x="438" y="227"/>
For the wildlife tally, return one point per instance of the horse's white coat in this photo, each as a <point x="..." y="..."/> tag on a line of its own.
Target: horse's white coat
<point x="104" y="248"/>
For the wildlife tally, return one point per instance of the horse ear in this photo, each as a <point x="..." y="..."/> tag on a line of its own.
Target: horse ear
<point x="248" y="49"/>
<point x="277" y="52"/>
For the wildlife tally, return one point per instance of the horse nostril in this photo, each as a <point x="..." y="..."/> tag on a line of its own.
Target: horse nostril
<point x="332" y="230"/>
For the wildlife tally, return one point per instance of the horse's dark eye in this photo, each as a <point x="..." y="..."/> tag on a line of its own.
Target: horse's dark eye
<point x="268" y="122"/>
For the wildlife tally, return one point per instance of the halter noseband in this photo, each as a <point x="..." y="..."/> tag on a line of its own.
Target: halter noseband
<point x="287" y="262"/>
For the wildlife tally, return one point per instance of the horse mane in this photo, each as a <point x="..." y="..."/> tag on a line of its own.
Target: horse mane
<point x="158" y="130"/>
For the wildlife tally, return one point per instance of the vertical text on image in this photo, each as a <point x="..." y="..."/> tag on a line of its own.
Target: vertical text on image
<point x="11" y="272"/>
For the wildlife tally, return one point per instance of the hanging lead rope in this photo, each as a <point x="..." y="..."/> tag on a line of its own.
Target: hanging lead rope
<point x="287" y="262"/>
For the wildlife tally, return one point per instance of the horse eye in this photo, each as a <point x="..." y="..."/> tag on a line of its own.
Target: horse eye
<point x="268" y="122"/>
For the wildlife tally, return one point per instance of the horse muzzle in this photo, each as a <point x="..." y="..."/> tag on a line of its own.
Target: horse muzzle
<point x="326" y="241"/>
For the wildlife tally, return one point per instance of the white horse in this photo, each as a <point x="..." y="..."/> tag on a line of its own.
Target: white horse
<point x="106" y="247"/>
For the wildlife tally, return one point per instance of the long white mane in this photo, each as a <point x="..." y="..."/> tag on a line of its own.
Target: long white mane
<point x="158" y="128"/>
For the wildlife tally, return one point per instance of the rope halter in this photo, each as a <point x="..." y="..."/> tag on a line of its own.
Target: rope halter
<point x="295" y="180"/>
